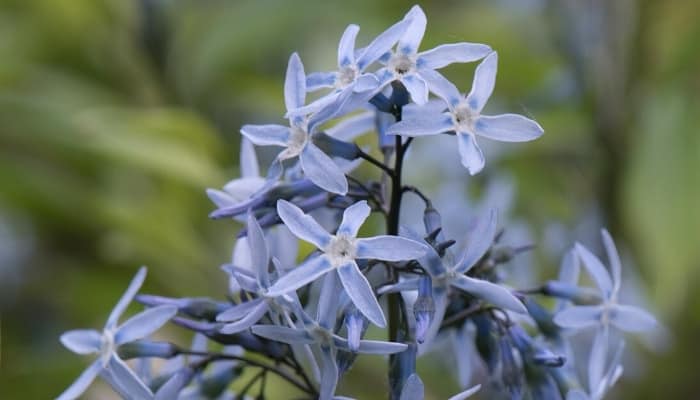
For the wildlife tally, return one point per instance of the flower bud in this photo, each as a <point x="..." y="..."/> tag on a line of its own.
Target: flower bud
<point x="147" y="348"/>
<point x="424" y="308"/>
<point x="356" y="324"/>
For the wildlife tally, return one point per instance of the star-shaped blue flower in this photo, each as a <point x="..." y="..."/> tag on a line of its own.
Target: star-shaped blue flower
<point x="339" y="252"/>
<point x="105" y="343"/>
<point x="464" y="117"/>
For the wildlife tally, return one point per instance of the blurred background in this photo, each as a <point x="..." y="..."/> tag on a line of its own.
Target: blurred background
<point x="116" y="115"/>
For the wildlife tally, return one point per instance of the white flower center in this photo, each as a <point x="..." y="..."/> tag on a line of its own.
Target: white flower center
<point x="341" y="250"/>
<point x="346" y="76"/>
<point x="402" y="64"/>
<point x="463" y="118"/>
<point x="106" y="346"/>
<point x="297" y="141"/>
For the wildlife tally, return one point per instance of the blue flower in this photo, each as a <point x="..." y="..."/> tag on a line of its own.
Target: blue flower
<point x="339" y="252"/>
<point x="105" y="344"/>
<point x="296" y="138"/>
<point x="416" y="71"/>
<point x="465" y="119"/>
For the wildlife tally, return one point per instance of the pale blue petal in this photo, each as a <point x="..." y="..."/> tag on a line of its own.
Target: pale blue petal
<point x="320" y="80"/>
<point x="172" y="387"/>
<point x="82" y="341"/>
<point x="266" y="135"/>
<point x="346" y="47"/>
<point x="613" y="258"/>
<point x="390" y="248"/>
<point x="326" y="103"/>
<point x="410" y="40"/>
<point x="570" y="268"/>
<point x="433" y="106"/>
<point x="247" y="321"/>
<point x="491" y="292"/>
<point x="242" y="189"/>
<point x="442" y="87"/>
<point x="259" y="254"/>
<point x="440" y="300"/>
<point x="380" y="347"/>
<point x="431" y="261"/>
<point x="578" y="317"/>
<point x="282" y="334"/>
<point x="302" y="225"/>
<point x="484" y="82"/>
<point x="360" y="292"/>
<point x="381" y="44"/>
<point x="508" y="128"/>
<point x="465" y="394"/>
<point x="126" y="298"/>
<point x="124" y="381"/>
<point x="353" y="218"/>
<point x="428" y="124"/>
<point x="632" y="319"/>
<point x="327" y="311"/>
<point x="144" y="323"/>
<point x="249" y="160"/>
<point x="447" y="54"/>
<point x="576" y="394"/>
<point x="322" y="171"/>
<point x="329" y="374"/>
<point x="480" y="240"/>
<point x="239" y="311"/>
<point x="352" y="127"/>
<point x="596" y="269"/>
<point x="294" y="83"/>
<point x="81" y="384"/>
<point x="300" y="276"/>
<point x="470" y="153"/>
<point x="413" y="388"/>
<point x="365" y="83"/>
<point x="220" y="198"/>
<point x="401" y="286"/>
<point x="596" y="362"/>
<point x="417" y="87"/>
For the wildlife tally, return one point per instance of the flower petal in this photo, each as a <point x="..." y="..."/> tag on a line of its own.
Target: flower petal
<point x="576" y="394"/>
<point x="417" y="87"/>
<point x="470" y="153"/>
<point x="360" y="292"/>
<point x="249" y="160"/>
<point x="81" y="384"/>
<point x="294" y="83"/>
<point x="410" y="40"/>
<point x="300" y="276"/>
<point x="413" y="388"/>
<point x="484" y="82"/>
<point x="329" y="374"/>
<point x="282" y="334"/>
<point x="266" y="135"/>
<point x="480" y="240"/>
<point x="124" y="381"/>
<point x="613" y="259"/>
<point x="390" y="248"/>
<point x="259" y="254"/>
<point x="239" y="311"/>
<point x="327" y="310"/>
<point x="380" y="347"/>
<point x="508" y="128"/>
<point x="302" y="225"/>
<point x="446" y="54"/>
<point x="365" y="83"/>
<point x="346" y="47"/>
<point x="82" y="341"/>
<point x="578" y="317"/>
<point x="465" y="394"/>
<point x="598" y="357"/>
<point x="596" y="269"/>
<point x="319" y="80"/>
<point x="381" y="44"/>
<point x="442" y="87"/>
<point x="352" y="127"/>
<point x="353" y="218"/>
<point x="126" y="298"/>
<point x="632" y="319"/>
<point x="247" y="321"/>
<point x="491" y="292"/>
<point x="144" y="323"/>
<point x="428" y="124"/>
<point x="322" y="171"/>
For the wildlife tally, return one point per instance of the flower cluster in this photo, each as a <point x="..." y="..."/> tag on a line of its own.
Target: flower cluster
<point x="305" y="317"/>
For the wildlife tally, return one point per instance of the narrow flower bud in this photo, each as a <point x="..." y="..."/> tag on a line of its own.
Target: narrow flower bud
<point x="356" y="324"/>
<point x="424" y="308"/>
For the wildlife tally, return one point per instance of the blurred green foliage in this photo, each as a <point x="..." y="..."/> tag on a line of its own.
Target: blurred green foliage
<point x="116" y="115"/>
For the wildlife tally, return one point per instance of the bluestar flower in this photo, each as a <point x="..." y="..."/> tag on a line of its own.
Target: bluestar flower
<point x="610" y="312"/>
<point x="319" y="332"/>
<point x="350" y="75"/>
<point x="296" y="138"/>
<point x="465" y="119"/>
<point x="339" y="252"/>
<point x="105" y="343"/>
<point x="598" y="390"/>
<point x="447" y="277"/>
<point x="416" y="71"/>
